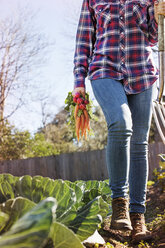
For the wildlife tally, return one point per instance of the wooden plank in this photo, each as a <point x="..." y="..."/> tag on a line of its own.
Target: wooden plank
<point x="90" y="165"/>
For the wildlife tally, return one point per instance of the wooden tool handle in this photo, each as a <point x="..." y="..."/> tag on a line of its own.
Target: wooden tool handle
<point x="161" y="32"/>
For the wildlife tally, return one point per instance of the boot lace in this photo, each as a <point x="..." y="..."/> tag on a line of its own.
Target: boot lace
<point x="121" y="210"/>
<point x="138" y="222"/>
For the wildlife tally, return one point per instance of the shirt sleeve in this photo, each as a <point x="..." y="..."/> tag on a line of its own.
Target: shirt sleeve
<point x="85" y="39"/>
<point x="153" y="26"/>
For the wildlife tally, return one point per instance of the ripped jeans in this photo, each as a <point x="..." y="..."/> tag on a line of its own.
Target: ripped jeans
<point x="128" y="120"/>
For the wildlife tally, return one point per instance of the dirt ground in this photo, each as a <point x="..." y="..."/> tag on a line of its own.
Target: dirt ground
<point x="155" y="221"/>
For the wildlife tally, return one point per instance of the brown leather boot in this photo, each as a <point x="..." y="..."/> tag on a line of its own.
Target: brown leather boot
<point x="120" y="215"/>
<point x="139" y="231"/>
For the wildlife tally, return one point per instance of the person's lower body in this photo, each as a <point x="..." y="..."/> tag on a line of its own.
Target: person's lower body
<point x="128" y="120"/>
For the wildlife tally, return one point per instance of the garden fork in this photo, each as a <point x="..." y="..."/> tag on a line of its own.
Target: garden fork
<point x="158" y="106"/>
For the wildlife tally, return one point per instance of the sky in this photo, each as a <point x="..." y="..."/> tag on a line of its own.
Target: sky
<point x="58" y="20"/>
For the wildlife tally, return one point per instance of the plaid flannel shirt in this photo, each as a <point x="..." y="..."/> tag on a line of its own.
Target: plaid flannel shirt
<point x="114" y="39"/>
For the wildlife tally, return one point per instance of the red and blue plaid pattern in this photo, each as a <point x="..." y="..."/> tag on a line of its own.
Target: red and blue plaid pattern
<point x="114" y="39"/>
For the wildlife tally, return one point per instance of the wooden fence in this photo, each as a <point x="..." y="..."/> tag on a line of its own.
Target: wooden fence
<point x="73" y="166"/>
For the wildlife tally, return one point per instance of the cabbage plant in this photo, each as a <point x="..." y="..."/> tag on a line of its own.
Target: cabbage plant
<point x="42" y="212"/>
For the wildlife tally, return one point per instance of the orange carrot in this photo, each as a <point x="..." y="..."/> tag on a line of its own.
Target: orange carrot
<point x="88" y="125"/>
<point x="85" y="124"/>
<point x="86" y="114"/>
<point x="76" y="111"/>
<point x="78" y="127"/>
<point x="82" y="124"/>
<point x="87" y="119"/>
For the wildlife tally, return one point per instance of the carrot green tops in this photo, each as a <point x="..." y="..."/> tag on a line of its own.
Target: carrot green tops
<point x="114" y="39"/>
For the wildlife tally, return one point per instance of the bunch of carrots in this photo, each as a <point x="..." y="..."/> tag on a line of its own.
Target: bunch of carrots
<point x="79" y="108"/>
<point x="81" y="116"/>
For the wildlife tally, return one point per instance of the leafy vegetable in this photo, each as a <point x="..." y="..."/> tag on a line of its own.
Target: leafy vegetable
<point x="94" y="188"/>
<point x="32" y="206"/>
<point x="23" y="186"/>
<point x="77" y="190"/>
<point x="64" y="195"/>
<point x="33" y="228"/>
<point x="3" y="220"/>
<point x="7" y="182"/>
<point x="63" y="237"/>
<point x="88" y="218"/>
<point x="15" y="208"/>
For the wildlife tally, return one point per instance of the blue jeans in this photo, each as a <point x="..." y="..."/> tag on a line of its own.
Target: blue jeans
<point x="128" y="120"/>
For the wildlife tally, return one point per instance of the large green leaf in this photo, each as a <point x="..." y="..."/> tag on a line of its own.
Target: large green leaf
<point x="104" y="207"/>
<point x="85" y="221"/>
<point x="89" y="195"/>
<point x="37" y="188"/>
<point x="3" y="220"/>
<point x="34" y="188"/>
<point x="104" y="187"/>
<point x="64" y="195"/>
<point x="8" y="177"/>
<point x="23" y="187"/>
<point x="48" y="186"/>
<point x="101" y="186"/>
<point x="80" y="205"/>
<point x="93" y="188"/>
<point x="68" y="216"/>
<point x="77" y="190"/>
<point x="63" y="237"/>
<point x="81" y="184"/>
<point x="6" y="192"/>
<point x="92" y="184"/>
<point x="105" y="191"/>
<point x="15" y="208"/>
<point x="32" y="230"/>
<point x="7" y="183"/>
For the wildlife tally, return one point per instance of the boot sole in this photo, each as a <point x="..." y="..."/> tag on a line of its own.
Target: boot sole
<point x="141" y="238"/>
<point x="121" y="228"/>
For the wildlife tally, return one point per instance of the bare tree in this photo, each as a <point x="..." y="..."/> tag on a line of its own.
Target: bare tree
<point x="22" y="51"/>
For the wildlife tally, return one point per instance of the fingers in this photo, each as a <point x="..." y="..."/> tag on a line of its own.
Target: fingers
<point x="81" y="90"/>
<point x="159" y="7"/>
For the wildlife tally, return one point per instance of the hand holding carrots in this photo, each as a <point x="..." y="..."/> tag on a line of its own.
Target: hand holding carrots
<point x="81" y="90"/>
<point x="159" y="9"/>
<point x="80" y="109"/>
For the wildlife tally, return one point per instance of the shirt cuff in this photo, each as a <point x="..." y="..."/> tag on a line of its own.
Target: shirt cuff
<point x="79" y="83"/>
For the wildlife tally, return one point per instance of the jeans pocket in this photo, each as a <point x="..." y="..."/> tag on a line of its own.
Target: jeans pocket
<point x="99" y="97"/>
